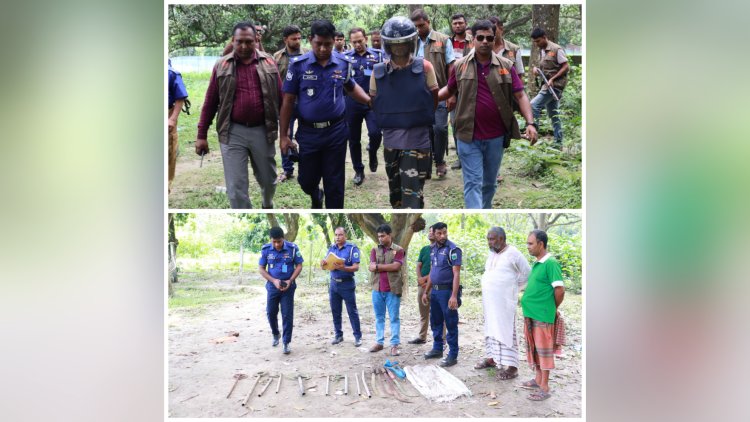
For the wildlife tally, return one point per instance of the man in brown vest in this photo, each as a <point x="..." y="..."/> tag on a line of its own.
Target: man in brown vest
<point x="462" y="44"/>
<point x="506" y="48"/>
<point x="387" y="279"/>
<point x="486" y="85"/>
<point x="244" y="94"/>
<point x="291" y="52"/>
<point x="436" y="48"/>
<point x="554" y="65"/>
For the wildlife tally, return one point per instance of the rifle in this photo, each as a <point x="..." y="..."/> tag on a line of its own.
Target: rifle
<point x="547" y="83"/>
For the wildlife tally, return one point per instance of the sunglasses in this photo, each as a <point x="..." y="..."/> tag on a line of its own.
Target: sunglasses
<point x="489" y="38"/>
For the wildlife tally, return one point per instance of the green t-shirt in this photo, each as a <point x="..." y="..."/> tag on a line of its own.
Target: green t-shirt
<point x="538" y="301"/>
<point x="424" y="258"/>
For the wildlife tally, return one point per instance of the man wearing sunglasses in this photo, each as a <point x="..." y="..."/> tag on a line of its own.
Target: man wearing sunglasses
<point x="486" y="85"/>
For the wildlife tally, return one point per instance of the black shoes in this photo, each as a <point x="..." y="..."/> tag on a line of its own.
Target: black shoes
<point x="337" y="340"/>
<point x="448" y="361"/>
<point x="432" y="354"/>
<point x="373" y="159"/>
<point x="276" y="338"/>
<point x="359" y="177"/>
<point x="417" y="341"/>
<point x="287" y="349"/>
<point x="318" y="204"/>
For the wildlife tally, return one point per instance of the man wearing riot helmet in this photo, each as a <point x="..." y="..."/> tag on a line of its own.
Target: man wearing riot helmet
<point x="404" y="91"/>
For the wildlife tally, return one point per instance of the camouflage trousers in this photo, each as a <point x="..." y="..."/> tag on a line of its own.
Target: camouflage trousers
<point x="407" y="170"/>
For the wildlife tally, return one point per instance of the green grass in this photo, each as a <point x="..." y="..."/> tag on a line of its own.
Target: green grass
<point x="535" y="177"/>
<point x="191" y="296"/>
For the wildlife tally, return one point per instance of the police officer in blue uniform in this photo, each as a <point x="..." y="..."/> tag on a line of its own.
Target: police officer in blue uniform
<point x="280" y="264"/>
<point x="444" y="289"/>
<point x="342" y="286"/>
<point x="363" y="59"/>
<point x="317" y="82"/>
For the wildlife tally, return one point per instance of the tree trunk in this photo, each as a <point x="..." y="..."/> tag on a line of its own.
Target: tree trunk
<point x="171" y="253"/>
<point x="547" y="17"/>
<point x="543" y="221"/>
<point x="292" y="226"/>
<point x="322" y="221"/>
<point x="403" y="226"/>
<point x="413" y="7"/>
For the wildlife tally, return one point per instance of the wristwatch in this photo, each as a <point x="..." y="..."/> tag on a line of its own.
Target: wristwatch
<point x="536" y="126"/>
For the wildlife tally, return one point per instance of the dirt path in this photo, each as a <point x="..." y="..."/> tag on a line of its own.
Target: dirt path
<point x="200" y="372"/>
<point x="195" y="187"/>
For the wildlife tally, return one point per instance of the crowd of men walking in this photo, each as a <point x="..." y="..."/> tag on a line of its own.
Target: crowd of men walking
<point x="438" y="271"/>
<point x="405" y="81"/>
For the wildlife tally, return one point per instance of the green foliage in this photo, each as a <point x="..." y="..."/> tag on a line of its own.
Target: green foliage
<point x="251" y="232"/>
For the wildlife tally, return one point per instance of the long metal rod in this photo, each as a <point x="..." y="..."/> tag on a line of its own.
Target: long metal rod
<point x="367" y="390"/>
<point x="301" y="388"/>
<point x="328" y="383"/>
<point x="346" y="385"/>
<point x="356" y="379"/>
<point x="278" y="384"/>
<point x="250" y="393"/>
<point x="265" y="387"/>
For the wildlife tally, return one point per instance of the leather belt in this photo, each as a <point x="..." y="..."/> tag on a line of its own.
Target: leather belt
<point x="320" y="125"/>
<point x="247" y="124"/>
<point x="341" y="280"/>
<point x="442" y="286"/>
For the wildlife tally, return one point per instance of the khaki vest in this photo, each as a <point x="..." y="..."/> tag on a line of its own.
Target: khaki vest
<point x="434" y="52"/>
<point x="550" y="67"/>
<point x="501" y="86"/>
<point x="395" y="278"/>
<point x="269" y="83"/>
<point x="511" y="50"/>
<point x="282" y="59"/>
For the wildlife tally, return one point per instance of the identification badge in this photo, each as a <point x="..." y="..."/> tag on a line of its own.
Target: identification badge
<point x="310" y="92"/>
<point x="310" y="77"/>
<point x="368" y="72"/>
<point x="270" y="265"/>
<point x="283" y="268"/>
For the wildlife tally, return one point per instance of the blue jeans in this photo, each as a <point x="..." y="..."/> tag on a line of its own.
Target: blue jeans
<point x="545" y="99"/>
<point x="275" y="297"/>
<point x="344" y="290"/>
<point x="480" y="163"/>
<point x="380" y="302"/>
<point x="439" y="315"/>
<point x="440" y="133"/>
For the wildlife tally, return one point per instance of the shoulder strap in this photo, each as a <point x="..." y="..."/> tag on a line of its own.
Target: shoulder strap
<point x="379" y="70"/>
<point x="418" y="65"/>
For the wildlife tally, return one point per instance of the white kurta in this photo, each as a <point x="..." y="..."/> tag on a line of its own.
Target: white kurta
<point x="504" y="274"/>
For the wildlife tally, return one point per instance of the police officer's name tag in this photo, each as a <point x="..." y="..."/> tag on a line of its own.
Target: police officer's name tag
<point x="310" y="77"/>
<point x="368" y="72"/>
<point x="283" y="268"/>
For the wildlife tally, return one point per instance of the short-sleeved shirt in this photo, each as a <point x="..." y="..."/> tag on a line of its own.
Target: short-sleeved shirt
<point x="408" y="138"/>
<point x="175" y="86"/>
<point x="319" y="90"/>
<point x="362" y="65"/>
<point x="449" y="57"/>
<point x="280" y="264"/>
<point x="350" y="254"/>
<point x="385" y="286"/>
<point x="538" y="301"/>
<point x="424" y="258"/>
<point x="458" y="47"/>
<point x="443" y="258"/>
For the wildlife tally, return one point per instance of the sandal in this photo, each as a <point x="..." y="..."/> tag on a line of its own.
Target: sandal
<point x="530" y="384"/>
<point x="505" y="375"/>
<point x="485" y="363"/>
<point x="539" y="395"/>
<point x="283" y="177"/>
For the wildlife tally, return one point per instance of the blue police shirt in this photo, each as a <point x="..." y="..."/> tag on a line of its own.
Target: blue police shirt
<point x="280" y="264"/>
<point x="175" y="86"/>
<point x="442" y="260"/>
<point x="362" y="65"/>
<point x="319" y="90"/>
<point x="350" y="254"/>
